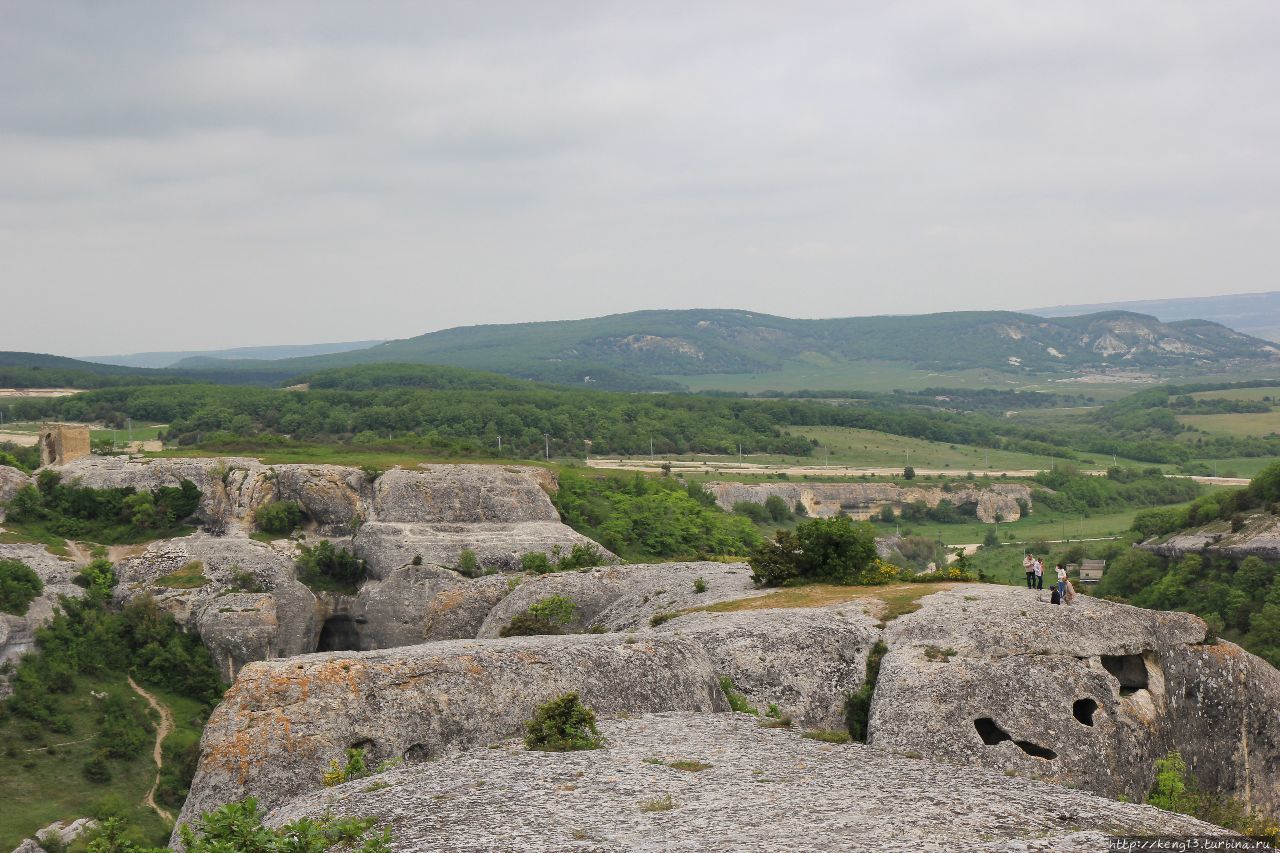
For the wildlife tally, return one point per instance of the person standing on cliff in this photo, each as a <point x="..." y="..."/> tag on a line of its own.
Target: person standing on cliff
<point x="1062" y="580"/>
<point x="1037" y="568"/>
<point x="1028" y="565"/>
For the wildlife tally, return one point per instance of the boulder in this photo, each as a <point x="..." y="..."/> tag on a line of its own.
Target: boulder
<point x="1258" y="537"/>
<point x="18" y="631"/>
<point x="462" y="494"/>
<point x="760" y="790"/>
<point x="1091" y="694"/>
<point x="419" y="604"/>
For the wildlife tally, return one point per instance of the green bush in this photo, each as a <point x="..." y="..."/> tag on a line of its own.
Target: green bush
<point x="323" y="566"/>
<point x="563" y="725"/>
<point x="278" y="517"/>
<point x="123" y="730"/>
<point x="97" y="770"/>
<point x="238" y="827"/>
<point x="19" y="586"/>
<point x="468" y="563"/>
<point x="546" y="616"/>
<point x="581" y="556"/>
<point x="832" y="550"/>
<point x="857" y="706"/>
<point x="777" y="508"/>
<point x="736" y="700"/>
<point x="754" y="511"/>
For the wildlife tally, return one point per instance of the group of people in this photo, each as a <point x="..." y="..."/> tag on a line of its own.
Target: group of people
<point x="1063" y="592"/>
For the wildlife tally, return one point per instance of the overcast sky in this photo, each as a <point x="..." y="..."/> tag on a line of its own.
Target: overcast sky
<point x="200" y="175"/>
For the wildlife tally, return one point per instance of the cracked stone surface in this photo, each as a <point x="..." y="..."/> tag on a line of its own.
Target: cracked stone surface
<point x="765" y="790"/>
<point x="18" y="632"/>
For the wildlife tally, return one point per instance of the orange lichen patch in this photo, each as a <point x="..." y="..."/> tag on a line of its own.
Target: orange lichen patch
<point x="448" y="599"/>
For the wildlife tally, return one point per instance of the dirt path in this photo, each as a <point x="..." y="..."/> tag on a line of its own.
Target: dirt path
<point x="162" y="731"/>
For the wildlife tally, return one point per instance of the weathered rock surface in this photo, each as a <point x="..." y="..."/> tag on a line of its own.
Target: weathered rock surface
<point x="1091" y="694"/>
<point x="62" y="834"/>
<point x="251" y="607"/>
<point x="17" y="632"/>
<point x="1260" y="537"/>
<point x="461" y="494"/>
<point x="615" y="598"/>
<point x="386" y="546"/>
<point x="11" y="479"/>
<point x="283" y="721"/>
<point x="860" y="500"/>
<point x="765" y="790"/>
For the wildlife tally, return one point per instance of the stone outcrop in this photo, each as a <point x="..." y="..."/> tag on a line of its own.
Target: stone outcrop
<point x="56" y="833"/>
<point x="386" y="545"/>
<point x="1258" y="537"/>
<point x="283" y="721"/>
<point x="11" y="479"/>
<point x="862" y="500"/>
<point x="616" y="598"/>
<point x="1091" y="694"/>
<point x="762" y="790"/>
<point x="249" y="607"/>
<point x="17" y="632"/>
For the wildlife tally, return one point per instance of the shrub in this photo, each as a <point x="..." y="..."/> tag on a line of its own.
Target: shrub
<point x="777" y="508"/>
<point x="754" y="511"/>
<point x="857" y="706"/>
<point x="827" y="736"/>
<point x="19" y="586"/>
<point x="736" y="700"/>
<point x="546" y="616"/>
<point x="699" y="586"/>
<point x="536" y="562"/>
<point x="278" y="517"/>
<point x="355" y="768"/>
<point x="468" y="563"/>
<point x="662" y="618"/>
<point x="323" y="565"/>
<point x="563" y="725"/>
<point x="99" y="577"/>
<point x="834" y="550"/>
<point x="238" y="826"/>
<point x="96" y="769"/>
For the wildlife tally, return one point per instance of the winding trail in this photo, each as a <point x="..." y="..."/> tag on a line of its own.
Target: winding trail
<point x="162" y="731"/>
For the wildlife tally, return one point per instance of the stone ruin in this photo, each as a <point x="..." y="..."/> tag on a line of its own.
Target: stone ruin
<point x="61" y="443"/>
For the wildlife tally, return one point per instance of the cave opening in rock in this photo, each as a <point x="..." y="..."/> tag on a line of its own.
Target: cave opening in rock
<point x="1129" y="670"/>
<point x="1083" y="710"/>
<point x="339" y="634"/>
<point x="991" y="733"/>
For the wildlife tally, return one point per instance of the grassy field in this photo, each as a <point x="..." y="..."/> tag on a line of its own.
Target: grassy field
<point x="1043" y="524"/>
<point x="41" y="778"/>
<point x="323" y="454"/>
<point x="1238" y="466"/>
<point x="140" y="431"/>
<point x="1272" y="391"/>
<point x="1236" y="425"/>
<point x="860" y="447"/>
<point x="893" y="600"/>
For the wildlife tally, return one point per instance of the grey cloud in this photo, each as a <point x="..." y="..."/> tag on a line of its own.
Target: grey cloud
<point x="325" y="171"/>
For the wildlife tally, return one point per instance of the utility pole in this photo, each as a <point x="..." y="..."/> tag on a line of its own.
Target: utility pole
<point x="546" y="438"/>
<point x="499" y="445"/>
<point x="651" y="448"/>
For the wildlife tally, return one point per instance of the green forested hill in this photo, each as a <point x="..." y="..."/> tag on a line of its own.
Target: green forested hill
<point x="628" y="351"/>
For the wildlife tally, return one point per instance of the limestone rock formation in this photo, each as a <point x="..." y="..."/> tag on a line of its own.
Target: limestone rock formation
<point x="1259" y="536"/>
<point x="17" y="633"/>
<point x="615" y="598"/>
<point x="284" y="720"/>
<point x="860" y="500"/>
<point x="762" y="790"/>
<point x="248" y="607"/>
<point x="1091" y="694"/>
<point x="11" y="479"/>
<point x="386" y="545"/>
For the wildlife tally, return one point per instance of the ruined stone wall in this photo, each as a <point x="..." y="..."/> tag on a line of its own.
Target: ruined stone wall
<point x="61" y="443"/>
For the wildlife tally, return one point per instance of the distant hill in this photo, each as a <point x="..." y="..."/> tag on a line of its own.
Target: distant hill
<point x="268" y="353"/>
<point x="1256" y="314"/>
<point x="633" y="351"/>
<point x="40" y="370"/>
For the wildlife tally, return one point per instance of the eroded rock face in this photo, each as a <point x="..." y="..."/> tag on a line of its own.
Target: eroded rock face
<point x="616" y="598"/>
<point x="1259" y="537"/>
<point x="860" y="500"/>
<point x="17" y="632"/>
<point x="251" y="607"/>
<point x="462" y="494"/>
<point x="764" y="790"/>
<point x="1090" y="694"/>
<point x="283" y="721"/>
<point x="11" y="479"/>
<point x="386" y="546"/>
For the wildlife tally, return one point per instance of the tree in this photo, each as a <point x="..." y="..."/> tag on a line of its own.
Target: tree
<point x="908" y="473"/>
<point x="886" y="514"/>
<point x="836" y="550"/>
<point x="19" y="586"/>
<point x="777" y="508"/>
<point x="278" y="517"/>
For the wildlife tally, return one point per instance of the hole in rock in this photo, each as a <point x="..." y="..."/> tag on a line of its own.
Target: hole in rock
<point x="992" y="734"/>
<point x="1083" y="710"/>
<point x="417" y="754"/>
<point x="1129" y="670"/>
<point x="373" y="754"/>
<point x="339" y="634"/>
